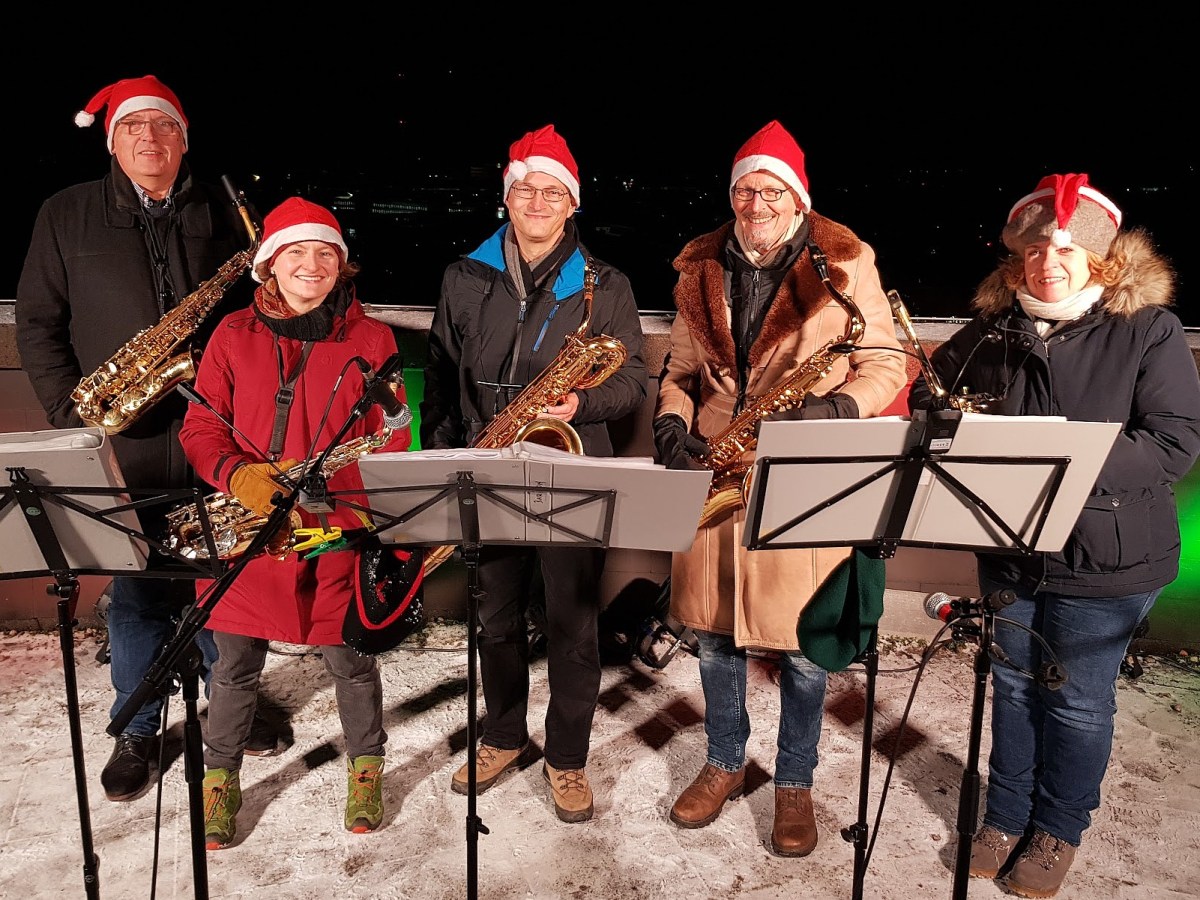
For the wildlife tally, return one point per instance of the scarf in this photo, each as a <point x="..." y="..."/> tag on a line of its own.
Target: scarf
<point x="315" y="325"/>
<point x="1049" y="316"/>
<point x="529" y="275"/>
<point x="763" y="260"/>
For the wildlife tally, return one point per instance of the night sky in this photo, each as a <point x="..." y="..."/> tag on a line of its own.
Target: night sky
<point x="919" y="139"/>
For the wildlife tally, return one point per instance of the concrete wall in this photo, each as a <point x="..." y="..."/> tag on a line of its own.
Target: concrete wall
<point x="631" y="574"/>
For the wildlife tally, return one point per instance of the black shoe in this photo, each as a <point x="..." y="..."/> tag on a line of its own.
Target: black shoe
<point x="264" y="737"/>
<point x="128" y="769"/>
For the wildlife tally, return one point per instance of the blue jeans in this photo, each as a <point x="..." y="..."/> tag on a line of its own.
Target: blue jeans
<point x="727" y="723"/>
<point x="143" y="617"/>
<point x="1050" y="748"/>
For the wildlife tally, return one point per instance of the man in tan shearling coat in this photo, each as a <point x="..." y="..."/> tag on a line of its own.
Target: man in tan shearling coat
<point x="756" y="299"/>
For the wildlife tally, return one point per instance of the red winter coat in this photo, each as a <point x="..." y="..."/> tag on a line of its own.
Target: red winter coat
<point x="295" y="600"/>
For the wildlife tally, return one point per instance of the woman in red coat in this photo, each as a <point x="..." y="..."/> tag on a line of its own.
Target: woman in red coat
<point x="305" y="331"/>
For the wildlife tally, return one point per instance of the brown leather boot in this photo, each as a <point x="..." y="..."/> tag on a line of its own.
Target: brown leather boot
<point x="795" y="829"/>
<point x="701" y="801"/>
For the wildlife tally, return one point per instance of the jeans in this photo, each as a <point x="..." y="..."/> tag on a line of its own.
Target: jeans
<point x="143" y="617"/>
<point x="572" y="580"/>
<point x="727" y="723"/>
<point x="1050" y="748"/>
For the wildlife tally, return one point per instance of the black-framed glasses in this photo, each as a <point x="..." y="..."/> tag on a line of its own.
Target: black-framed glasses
<point x="745" y="195"/>
<point x="550" y="194"/>
<point x="161" y="127"/>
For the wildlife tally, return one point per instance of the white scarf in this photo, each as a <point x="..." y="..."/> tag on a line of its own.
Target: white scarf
<point x="1049" y="316"/>
<point x="762" y="260"/>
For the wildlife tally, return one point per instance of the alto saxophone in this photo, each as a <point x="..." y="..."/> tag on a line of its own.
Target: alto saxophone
<point x="730" y="487"/>
<point x="141" y="372"/>
<point x="234" y="527"/>
<point x="965" y="402"/>
<point x="583" y="362"/>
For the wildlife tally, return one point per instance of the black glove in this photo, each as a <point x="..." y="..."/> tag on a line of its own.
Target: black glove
<point x="676" y="447"/>
<point x="831" y="406"/>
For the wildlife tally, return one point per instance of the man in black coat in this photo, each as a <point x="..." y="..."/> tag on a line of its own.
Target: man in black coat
<point x="108" y="259"/>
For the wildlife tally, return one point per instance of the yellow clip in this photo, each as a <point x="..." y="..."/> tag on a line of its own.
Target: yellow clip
<point x="314" y="536"/>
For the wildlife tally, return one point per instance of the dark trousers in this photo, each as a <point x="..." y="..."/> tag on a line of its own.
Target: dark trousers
<point x="572" y="583"/>
<point x="357" y="686"/>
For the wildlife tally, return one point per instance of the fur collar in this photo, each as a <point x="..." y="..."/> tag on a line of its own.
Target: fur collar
<point x="700" y="292"/>
<point x="1146" y="279"/>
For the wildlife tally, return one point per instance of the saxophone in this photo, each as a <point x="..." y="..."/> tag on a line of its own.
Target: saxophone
<point x="234" y="527"/>
<point x="583" y="362"/>
<point x="965" y="402"/>
<point x="730" y="487"/>
<point x="141" y="372"/>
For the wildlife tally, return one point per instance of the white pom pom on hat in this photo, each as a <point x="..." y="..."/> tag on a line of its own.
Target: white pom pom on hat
<point x="772" y="149"/>
<point x="130" y="95"/>
<point x="294" y="220"/>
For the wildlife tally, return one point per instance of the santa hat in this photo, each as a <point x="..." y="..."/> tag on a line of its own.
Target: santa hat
<point x="293" y="220"/>
<point x="542" y="151"/>
<point x="773" y="150"/>
<point x="1065" y="210"/>
<point x="130" y="95"/>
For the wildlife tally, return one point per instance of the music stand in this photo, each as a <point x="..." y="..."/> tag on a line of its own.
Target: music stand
<point x="1005" y="484"/>
<point x="49" y="525"/>
<point x="524" y="495"/>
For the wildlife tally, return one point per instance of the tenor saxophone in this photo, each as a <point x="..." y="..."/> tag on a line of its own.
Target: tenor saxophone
<point x="583" y="362"/>
<point x="730" y="486"/>
<point x="147" y="366"/>
<point x="965" y="402"/>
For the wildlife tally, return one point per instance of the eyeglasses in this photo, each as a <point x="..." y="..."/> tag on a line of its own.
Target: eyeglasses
<point x="162" y="127"/>
<point x="745" y="195"/>
<point x="550" y="194"/>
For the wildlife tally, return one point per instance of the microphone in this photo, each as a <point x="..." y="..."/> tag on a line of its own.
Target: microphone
<point x="192" y="396"/>
<point x="395" y="414"/>
<point x="943" y="607"/>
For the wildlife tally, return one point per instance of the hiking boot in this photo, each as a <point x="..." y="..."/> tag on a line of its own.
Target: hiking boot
<point x="795" y="830"/>
<point x="490" y="764"/>
<point x="364" y="793"/>
<point x="222" y="800"/>
<point x="702" y="800"/>
<point x="263" y="740"/>
<point x="990" y="850"/>
<point x="1040" y="870"/>
<point x="127" y="771"/>
<point x="571" y="791"/>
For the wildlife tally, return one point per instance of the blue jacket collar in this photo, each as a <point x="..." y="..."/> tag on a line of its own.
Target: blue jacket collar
<point x="570" y="276"/>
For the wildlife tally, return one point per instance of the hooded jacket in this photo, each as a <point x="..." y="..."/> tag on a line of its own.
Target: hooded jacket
<point x="295" y="600"/>
<point x="1126" y="360"/>
<point x="87" y="287"/>
<point x="480" y="326"/>
<point x="718" y="585"/>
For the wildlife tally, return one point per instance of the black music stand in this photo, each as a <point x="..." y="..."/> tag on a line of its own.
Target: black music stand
<point x="58" y="530"/>
<point x="997" y="483"/>
<point x="524" y="495"/>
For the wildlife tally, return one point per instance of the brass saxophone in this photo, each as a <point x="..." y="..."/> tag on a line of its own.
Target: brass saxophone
<point x="966" y="402"/>
<point x="143" y="370"/>
<point x="730" y="487"/>
<point x="583" y="362"/>
<point x="234" y="527"/>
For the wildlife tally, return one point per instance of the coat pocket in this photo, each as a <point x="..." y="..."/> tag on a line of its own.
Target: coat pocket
<point x="1121" y="531"/>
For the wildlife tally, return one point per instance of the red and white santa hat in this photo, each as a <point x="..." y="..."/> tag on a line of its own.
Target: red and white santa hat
<point x="1066" y="210"/>
<point x="772" y="149"/>
<point x="130" y="95"/>
<point x="542" y="151"/>
<point x="293" y="220"/>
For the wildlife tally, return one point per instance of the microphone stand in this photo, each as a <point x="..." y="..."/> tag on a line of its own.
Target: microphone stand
<point x="175" y="656"/>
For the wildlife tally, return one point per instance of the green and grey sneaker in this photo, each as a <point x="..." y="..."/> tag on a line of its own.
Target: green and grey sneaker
<point x="364" y="793"/>
<point x="222" y="800"/>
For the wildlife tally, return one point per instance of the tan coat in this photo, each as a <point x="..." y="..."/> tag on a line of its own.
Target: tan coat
<point x="718" y="585"/>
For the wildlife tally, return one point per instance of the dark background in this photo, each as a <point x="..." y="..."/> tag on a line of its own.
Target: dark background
<point x="918" y="138"/>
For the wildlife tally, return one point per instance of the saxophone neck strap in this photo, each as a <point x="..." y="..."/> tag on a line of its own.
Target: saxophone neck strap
<point x="284" y="397"/>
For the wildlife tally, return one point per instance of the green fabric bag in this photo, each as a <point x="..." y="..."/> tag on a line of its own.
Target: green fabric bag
<point x="840" y="621"/>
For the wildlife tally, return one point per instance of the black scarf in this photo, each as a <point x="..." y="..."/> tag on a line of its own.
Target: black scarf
<point x="314" y="325"/>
